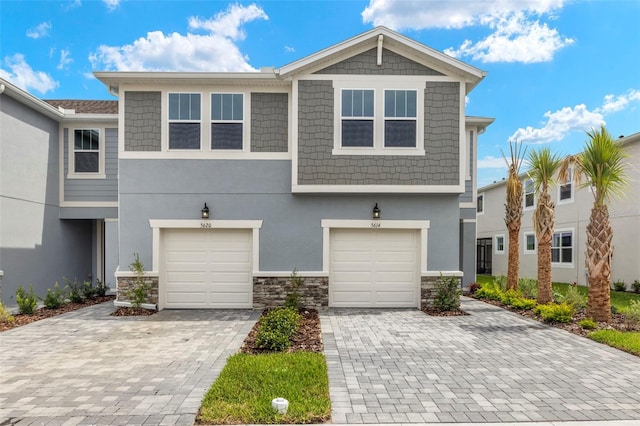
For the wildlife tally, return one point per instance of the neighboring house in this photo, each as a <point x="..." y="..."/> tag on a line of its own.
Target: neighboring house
<point x="291" y="166"/>
<point x="58" y="191"/>
<point x="573" y="208"/>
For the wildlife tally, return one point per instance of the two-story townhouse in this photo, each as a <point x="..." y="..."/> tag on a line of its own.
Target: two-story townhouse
<point x="58" y="191"/>
<point x="572" y="210"/>
<point x="354" y="165"/>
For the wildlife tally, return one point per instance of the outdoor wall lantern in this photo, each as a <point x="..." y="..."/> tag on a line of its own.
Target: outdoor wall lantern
<point x="376" y="212"/>
<point x="205" y="211"/>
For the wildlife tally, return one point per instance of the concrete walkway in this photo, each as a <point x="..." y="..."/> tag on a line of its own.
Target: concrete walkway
<point x="86" y="367"/>
<point x="402" y="366"/>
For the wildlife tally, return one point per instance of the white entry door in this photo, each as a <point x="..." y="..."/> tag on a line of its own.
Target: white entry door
<point x="207" y="268"/>
<point x="374" y="268"/>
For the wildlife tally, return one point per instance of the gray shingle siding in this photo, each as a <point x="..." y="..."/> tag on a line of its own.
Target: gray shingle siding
<point x="317" y="166"/>
<point x="94" y="189"/>
<point x="142" y="121"/>
<point x="366" y="63"/>
<point x="269" y="122"/>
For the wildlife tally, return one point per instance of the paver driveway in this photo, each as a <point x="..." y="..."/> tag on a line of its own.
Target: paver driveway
<point x="491" y="366"/>
<point x="86" y="367"/>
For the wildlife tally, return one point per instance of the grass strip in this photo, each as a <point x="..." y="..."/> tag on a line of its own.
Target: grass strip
<point x="628" y="341"/>
<point x="243" y="392"/>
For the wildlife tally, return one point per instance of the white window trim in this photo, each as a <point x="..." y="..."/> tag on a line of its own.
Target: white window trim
<point x="246" y="139"/>
<point x="71" y="158"/>
<point x="524" y="195"/>
<point x="481" y="212"/>
<point x="495" y="244"/>
<point x="378" y="86"/>
<point x="573" y="248"/>
<point x="200" y="122"/>
<point x="570" y="199"/>
<point x="524" y="242"/>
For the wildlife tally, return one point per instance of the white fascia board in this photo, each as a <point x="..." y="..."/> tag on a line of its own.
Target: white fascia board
<point x="408" y="189"/>
<point x="94" y="118"/>
<point x="29" y="100"/>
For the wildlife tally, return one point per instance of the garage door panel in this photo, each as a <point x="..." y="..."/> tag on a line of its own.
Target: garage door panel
<point x="350" y="299"/>
<point x="209" y="268"/>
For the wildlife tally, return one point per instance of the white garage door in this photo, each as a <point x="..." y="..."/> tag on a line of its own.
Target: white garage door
<point x="374" y="268"/>
<point x="207" y="268"/>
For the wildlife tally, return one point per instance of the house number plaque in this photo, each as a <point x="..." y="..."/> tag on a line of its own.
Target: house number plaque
<point x="375" y="225"/>
<point x="205" y="225"/>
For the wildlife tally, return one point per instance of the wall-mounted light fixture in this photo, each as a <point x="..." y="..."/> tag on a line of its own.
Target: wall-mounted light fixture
<point x="205" y="211"/>
<point x="376" y="212"/>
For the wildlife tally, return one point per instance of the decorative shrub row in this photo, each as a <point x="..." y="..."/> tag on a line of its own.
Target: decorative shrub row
<point x="276" y="328"/>
<point x="73" y="291"/>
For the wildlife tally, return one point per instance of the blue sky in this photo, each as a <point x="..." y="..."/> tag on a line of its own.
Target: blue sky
<point x="556" y="68"/>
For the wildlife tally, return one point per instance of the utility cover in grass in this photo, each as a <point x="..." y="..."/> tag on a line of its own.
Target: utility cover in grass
<point x="243" y="392"/>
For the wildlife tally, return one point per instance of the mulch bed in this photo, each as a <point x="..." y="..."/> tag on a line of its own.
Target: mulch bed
<point x="436" y="313"/>
<point x="617" y="320"/>
<point x="308" y="337"/>
<point x="42" y="313"/>
<point x="130" y="311"/>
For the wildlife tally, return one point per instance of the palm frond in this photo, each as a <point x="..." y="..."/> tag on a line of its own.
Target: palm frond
<point x="543" y="165"/>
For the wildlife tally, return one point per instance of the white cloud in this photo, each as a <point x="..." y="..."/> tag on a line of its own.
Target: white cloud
<point x="39" y="31"/>
<point x="514" y="39"/>
<point x="22" y="75"/>
<point x="576" y="119"/>
<point x="490" y="162"/>
<point x="111" y="4"/>
<point x="65" y="59"/>
<point x="289" y="49"/>
<point x="73" y="4"/>
<point x="214" y="51"/>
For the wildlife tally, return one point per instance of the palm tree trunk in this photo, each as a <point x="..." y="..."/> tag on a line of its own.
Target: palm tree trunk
<point x="599" y="252"/>
<point x="513" y="267"/>
<point x="545" y="221"/>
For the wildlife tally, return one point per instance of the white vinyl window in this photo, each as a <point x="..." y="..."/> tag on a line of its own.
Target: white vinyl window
<point x="529" y="241"/>
<point x="400" y="118"/>
<point x="562" y="248"/>
<point x="184" y="121"/>
<point x="529" y="194"/>
<point x="500" y="244"/>
<point x="227" y="121"/>
<point x="565" y="191"/>
<point x="86" y="153"/>
<point x="480" y="204"/>
<point x="357" y="118"/>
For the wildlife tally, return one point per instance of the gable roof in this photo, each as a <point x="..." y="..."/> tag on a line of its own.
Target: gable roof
<point x="389" y="39"/>
<point x="85" y="106"/>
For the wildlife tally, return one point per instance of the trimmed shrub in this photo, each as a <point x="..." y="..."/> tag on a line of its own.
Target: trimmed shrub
<point x="75" y="290"/>
<point x="636" y="286"/>
<point x="88" y="291"/>
<point x="620" y="286"/>
<point x="574" y="298"/>
<point x="632" y="315"/>
<point x="448" y="293"/>
<point x="528" y="288"/>
<point x="276" y="328"/>
<point x="523" y="303"/>
<point x="26" y="302"/>
<point x="509" y="296"/>
<point x="101" y="288"/>
<point x="588" y="324"/>
<point x="55" y="298"/>
<point x="552" y="312"/>
<point x="489" y="291"/>
<point x="5" y="316"/>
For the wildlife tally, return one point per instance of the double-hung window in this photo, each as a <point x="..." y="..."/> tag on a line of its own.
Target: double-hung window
<point x="562" y="248"/>
<point x="480" y="204"/>
<point x="357" y="118"/>
<point x="227" y="120"/>
<point x="400" y="118"/>
<point x="86" y="151"/>
<point x="565" y="192"/>
<point x="529" y="243"/>
<point x="184" y="120"/>
<point x="499" y="244"/>
<point x="529" y="197"/>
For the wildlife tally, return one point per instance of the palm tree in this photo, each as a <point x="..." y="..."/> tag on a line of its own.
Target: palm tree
<point x="513" y="211"/>
<point x="543" y="165"/>
<point x="601" y="165"/>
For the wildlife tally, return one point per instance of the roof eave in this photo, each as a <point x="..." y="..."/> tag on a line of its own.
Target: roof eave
<point x="29" y="100"/>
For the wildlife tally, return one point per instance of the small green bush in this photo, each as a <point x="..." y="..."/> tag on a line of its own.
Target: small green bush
<point x="552" y="312"/>
<point x="138" y="292"/>
<point x="501" y="282"/>
<point x="55" y="298"/>
<point x="528" y="288"/>
<point x="489" y="291"/>
<point x="574" y="298"/>
<point x="508" y="296"/>
<point x="620" y="286"/>
<point x="101" y="288"/>
<point x="75" y="293"/>
<point x="523" y="303"/>
<point x="636" y="286"/>
<point x="293" y="298"/>
<point x="448" y="293"/>
<point x="588" y="324"/>
<point x="88" y="290"/>
<point x="632" y="315"/>
<point x="5" y="315"/>
<point x="276" y="328"/>
<point x="26" y="302"/>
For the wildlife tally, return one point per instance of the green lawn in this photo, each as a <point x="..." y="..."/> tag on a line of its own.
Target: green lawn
<point x="627" y="341"/>
<point x="619" y="299"/>
<point x="248" y="383"/>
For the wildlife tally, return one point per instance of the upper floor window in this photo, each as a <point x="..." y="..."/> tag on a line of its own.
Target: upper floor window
<point x="227" y="120"/>
<point x="529" y="197"/>
<point x="357" y="118"/>
<point x="565" y="191"/>
<point x="400" y="118"/>
<point x="86" y="151"/>
<point x="480" y="204"/>
<point x="184" y="120"/>
<point x="562" y="247"/>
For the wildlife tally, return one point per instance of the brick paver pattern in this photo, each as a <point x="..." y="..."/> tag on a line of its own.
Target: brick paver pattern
<point x="403" y="366"/>
<point x="87" y="367"/>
